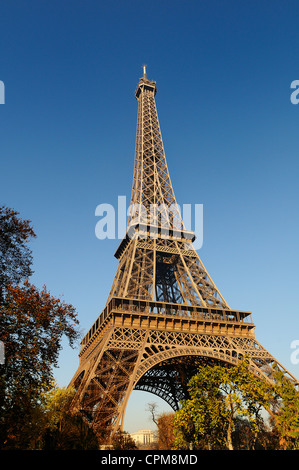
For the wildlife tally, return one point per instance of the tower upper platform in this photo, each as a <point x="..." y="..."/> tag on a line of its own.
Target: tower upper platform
<point x="145" y="84"/>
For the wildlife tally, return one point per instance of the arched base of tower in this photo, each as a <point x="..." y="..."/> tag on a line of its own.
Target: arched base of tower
<point x="158" y="361"/>
<point x="169" y="379"/>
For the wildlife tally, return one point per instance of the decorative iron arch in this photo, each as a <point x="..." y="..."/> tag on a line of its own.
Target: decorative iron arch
<point x="169" y="378"/>
<point x="159" y="373"/>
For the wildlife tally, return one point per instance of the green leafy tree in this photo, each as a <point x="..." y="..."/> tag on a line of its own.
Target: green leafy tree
<point x="285" y="412"/>
<point x="218" y="396"/>
<point x="200" y="423"/>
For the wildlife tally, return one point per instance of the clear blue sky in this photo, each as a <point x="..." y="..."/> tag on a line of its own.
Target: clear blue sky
<point x="223" y="70"/>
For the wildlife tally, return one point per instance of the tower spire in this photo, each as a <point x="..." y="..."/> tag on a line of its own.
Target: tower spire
<point x="155" y="227"/>
<point x="144" y="71"/>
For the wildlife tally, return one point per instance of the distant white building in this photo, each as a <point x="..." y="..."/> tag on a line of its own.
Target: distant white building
<point x="143" y="437"/>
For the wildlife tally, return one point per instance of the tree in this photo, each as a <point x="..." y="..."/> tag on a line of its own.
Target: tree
<point x="285" y="411"/>
<point x="165" y="431"/>
<point x="32" y="323"/>
<point x="15" y="254"/>
<point x="164" y="423"/>
<point x="63" y="430"/>
<point x="200" y="423"/>
<point x="218" y="396"/>
<point x="123" y="441"/>
<point x="245" y="437"/>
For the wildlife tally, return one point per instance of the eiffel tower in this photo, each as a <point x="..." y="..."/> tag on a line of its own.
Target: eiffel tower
<point x="164" y="315"/>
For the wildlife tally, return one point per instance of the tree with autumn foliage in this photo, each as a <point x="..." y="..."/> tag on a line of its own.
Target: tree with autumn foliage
<point x="32" y="324"/>
<point x="164" y="423"/>
<point x="123" y="441"/>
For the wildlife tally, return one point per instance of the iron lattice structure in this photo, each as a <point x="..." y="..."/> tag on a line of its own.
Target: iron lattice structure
<point x="164" y="315"/>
